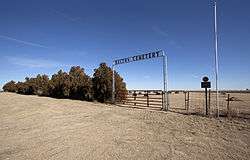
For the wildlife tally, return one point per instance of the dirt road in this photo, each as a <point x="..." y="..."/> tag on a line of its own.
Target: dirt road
<point x="33" y="127"/>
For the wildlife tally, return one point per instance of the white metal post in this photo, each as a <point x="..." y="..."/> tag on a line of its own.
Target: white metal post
<point x="166" y="65"/>
<point x="165" y="88"/>
<point x="216" y="58"/>
<point x="164" y="92"/>
<point x="113" y="84"/>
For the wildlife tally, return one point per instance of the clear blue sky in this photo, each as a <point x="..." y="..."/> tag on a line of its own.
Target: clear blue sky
<point x="45" y="36"/>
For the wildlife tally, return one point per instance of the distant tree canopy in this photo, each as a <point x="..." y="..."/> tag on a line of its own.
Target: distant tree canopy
<point x="10" y="86"/>
<point x="102" y="84"/>
<point x="42" y="85"/>
<point x="74" y="85"/>
<point x="81" y="84"/>
<point x="59" y="85"/>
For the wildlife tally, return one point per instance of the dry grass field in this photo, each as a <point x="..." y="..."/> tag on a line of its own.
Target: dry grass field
<point x="239" y="106"/>
<point x="33" y="127"/>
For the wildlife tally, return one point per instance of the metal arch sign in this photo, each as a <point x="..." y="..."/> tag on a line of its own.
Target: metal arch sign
<point x="139" y="57"/>
<point x="150" y="55"/>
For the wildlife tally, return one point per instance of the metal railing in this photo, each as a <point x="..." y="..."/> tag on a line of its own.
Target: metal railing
<point x="145" y="98"/>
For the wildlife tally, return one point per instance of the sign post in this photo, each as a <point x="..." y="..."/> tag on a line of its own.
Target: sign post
<point x="206" y="84"/>
<point x="146" y="56"/>
<point x="113" y="84"/>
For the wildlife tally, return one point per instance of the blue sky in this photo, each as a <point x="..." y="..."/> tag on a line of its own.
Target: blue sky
<point x="45" y="36"/>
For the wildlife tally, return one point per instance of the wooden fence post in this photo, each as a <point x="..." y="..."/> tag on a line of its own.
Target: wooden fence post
<point x="162" y="99"/>
<point x="188" y="101"/>
<point x="228" y="108"/>
<point x="134" y="98"/>
<point x="209" y="101"/>
<point x="147" y="99"/>
<point x="185" y="93"/>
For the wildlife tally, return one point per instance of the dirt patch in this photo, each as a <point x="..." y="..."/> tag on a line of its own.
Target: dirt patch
<point x="33" y="127"/>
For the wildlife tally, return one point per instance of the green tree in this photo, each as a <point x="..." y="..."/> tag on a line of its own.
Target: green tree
<point x="59" y="85"/>
<point x="75" y="85"/>
<point x="80" y="84"/>
<point x="30" y="84"/>
<point x="120" y="88"/>
<point x="42" y="85"/>
<point x="23" y="88"/>
<point x="10" y="87"/>
<point x="38" y="85"/>
<point x="102" y="84"/>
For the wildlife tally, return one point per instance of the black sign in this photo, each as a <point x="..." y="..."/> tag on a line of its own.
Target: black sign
<point x="139" y="57"/>
<point x="205" y="84"/>
<point x="205" y="79"/>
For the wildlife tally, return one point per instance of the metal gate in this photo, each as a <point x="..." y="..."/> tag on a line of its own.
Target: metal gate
<point x="145" y="98"/>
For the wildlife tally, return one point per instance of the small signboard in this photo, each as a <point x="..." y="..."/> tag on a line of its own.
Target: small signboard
<point x="205" y="84"/>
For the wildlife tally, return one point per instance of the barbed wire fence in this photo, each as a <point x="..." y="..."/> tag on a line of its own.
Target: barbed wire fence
<point x="231" y="104"/>
<point x="192" y="102"/>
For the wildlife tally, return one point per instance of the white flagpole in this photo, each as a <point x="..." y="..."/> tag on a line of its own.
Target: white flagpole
<point x="216" y="57"/>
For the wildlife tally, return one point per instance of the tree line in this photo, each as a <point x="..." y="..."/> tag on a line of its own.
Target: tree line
<point x="73" y="85"/>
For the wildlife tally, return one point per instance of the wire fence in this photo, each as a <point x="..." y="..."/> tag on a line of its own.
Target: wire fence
<point x="230" y="104"/>
<point x="192" y="102"/>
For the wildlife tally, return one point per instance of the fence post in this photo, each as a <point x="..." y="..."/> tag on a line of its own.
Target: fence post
<point x="209" y="101"/>
<point x="134" y="98"/>
<point x="162" y="99"/>
<point x="206" y="101"/>
<point x="228" y="109"/>
<point x="147" y="99"/>
<point x="188" y="101"/>
<point x="185" y="93"/>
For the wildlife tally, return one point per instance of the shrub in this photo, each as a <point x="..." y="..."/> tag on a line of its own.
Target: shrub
<point x="59" y="85"/>
<point x="120" y="88"/>
<point x="30" y="85"/>
<point x="23" y="88"/>
<point x="80" y="84"/>
<point x="42" y="85"/>
<point x="75" y="85"/>
<point x="38" y="85"/>
<point x="10" y="87"/>
<point x="102" y="84"/>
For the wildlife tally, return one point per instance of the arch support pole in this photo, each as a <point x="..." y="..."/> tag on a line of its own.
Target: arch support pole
<point x="165" y="83"/>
